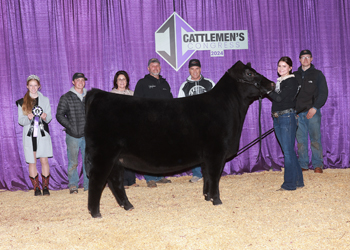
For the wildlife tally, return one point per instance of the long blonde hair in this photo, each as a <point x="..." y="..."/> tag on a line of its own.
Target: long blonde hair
<point x="28" y="102"/>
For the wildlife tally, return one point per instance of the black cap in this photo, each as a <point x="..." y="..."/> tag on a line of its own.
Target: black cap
<point x="305" y="52"/>
<point x="79" y="75"/>
<point x="153" y="60"/>
<point x="194" y="62"/>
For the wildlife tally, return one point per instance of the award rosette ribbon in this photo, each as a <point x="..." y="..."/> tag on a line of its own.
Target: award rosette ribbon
<point x="36" y="122"/>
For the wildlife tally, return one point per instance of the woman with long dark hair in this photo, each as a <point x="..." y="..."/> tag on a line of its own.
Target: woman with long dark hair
<point x="285" y="122"/>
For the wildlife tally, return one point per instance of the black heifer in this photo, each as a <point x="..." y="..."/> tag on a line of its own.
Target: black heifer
<point x="163" y="136"/>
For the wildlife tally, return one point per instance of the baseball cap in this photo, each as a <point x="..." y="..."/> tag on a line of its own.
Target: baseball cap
<point x="194" y="62"/>
<point x="153" y="60"/>
<point x="79" y="75"/>
<point x="305" y="52"/>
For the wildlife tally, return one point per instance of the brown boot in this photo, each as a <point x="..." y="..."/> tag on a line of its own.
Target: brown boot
<point x="35" y="182"/>
<point x="46" y="184"/>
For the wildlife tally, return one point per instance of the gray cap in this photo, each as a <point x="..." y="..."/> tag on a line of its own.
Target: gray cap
<point x="153" y="60"/>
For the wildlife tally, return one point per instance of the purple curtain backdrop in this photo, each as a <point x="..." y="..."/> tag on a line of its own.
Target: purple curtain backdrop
<point x="55" y="39"/>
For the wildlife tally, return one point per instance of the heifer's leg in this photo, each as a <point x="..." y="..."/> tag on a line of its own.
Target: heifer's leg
<point x="212" y="170"/>
<point x="100" y="170"/>
<point x="205" y="181"/>
<point x="116" y="184"/>
<point x="97" y="183"/>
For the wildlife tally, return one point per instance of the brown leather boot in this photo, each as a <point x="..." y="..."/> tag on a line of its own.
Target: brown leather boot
<point x="35" y="182"/>
<point x="46" y="184"/>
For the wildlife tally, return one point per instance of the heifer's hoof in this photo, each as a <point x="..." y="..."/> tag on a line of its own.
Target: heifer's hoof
<point x="128" y="207"/>
<point x="96" y="215"/>
<point x="217" y="202"/>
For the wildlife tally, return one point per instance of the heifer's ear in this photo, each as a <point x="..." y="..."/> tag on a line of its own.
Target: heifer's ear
<point x="249" y="65"/>
<point x="236" y="68"/>
<point x="238" y="64"/>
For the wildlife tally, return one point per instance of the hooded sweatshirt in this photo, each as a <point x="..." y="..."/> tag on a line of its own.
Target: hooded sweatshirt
<point x="190" y="87"/>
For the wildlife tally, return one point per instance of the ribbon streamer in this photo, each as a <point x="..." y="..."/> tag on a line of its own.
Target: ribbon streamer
<point x="35" y="123"/>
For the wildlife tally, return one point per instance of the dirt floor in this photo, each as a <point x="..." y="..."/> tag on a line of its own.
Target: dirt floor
<point x="175" y="216"/>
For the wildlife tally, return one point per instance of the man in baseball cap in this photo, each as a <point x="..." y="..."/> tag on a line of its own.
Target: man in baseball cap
<point x="153" y="85"/>
<point x="194" y="85"/>
<point x="312" y="96"/>
<point x="71" y="115"/>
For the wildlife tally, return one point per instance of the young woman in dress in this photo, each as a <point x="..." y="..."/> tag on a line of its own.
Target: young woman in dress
<point x="34" y="114"/>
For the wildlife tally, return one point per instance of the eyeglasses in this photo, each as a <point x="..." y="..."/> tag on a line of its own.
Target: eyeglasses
<point x="121" y="80"/>
<point x="305" y="57"/>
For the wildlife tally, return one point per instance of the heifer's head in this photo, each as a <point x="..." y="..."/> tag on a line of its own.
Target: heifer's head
<point x="253" y="84"/>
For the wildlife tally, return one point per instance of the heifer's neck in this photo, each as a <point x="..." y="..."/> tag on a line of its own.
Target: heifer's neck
<point x="235" y="98"/>
<point x="236" y="92"/>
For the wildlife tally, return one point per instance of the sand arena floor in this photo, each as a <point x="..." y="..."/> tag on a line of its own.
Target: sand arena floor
<point x="176" y="216"/>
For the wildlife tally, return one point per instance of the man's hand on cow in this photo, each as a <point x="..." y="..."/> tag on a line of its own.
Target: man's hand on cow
<point x="311" y="113"/>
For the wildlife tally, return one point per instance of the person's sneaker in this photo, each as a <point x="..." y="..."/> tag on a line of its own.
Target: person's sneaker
<point x="73" y="190"/>
<point x="163" y="180"/>
<point x="151" y="184"/>
<point x="195" y="179"/>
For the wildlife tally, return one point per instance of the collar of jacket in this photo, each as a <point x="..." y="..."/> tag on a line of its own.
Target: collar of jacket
<point x="280" y="79"/>
<point x="189" y="79"/>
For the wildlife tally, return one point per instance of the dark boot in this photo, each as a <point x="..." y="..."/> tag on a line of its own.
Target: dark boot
<point x="35" y="182"/>
<point x="46" y="184"/>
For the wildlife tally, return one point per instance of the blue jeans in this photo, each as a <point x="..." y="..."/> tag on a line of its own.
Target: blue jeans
<point x="197" y="172"/>
<point x="73" y="146"/>
<point x="152" y="178"/>
<point x="285" y="128"/>
<point x="310" y="127"/>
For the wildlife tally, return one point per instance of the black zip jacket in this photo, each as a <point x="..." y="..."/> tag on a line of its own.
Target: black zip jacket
<point x="152" y="87"/>
<point x="286" y="98"/>
<point x="71" y="114"/>
<point x="313" y="91"/>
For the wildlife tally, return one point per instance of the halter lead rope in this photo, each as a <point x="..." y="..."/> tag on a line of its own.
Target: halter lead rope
<point x="260" y="104"/>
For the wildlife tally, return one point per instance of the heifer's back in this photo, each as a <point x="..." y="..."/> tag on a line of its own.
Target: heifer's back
<point x="163" y="136"/>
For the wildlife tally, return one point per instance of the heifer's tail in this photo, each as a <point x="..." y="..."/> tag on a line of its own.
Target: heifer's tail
<point x="90" y="97"/>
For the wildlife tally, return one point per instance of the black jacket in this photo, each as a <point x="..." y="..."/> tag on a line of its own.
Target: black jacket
<point x="314" y="90"/>
<point x="152" y="87"/>
<point x="71" y="114"/>
<point x="286" y="98"/>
